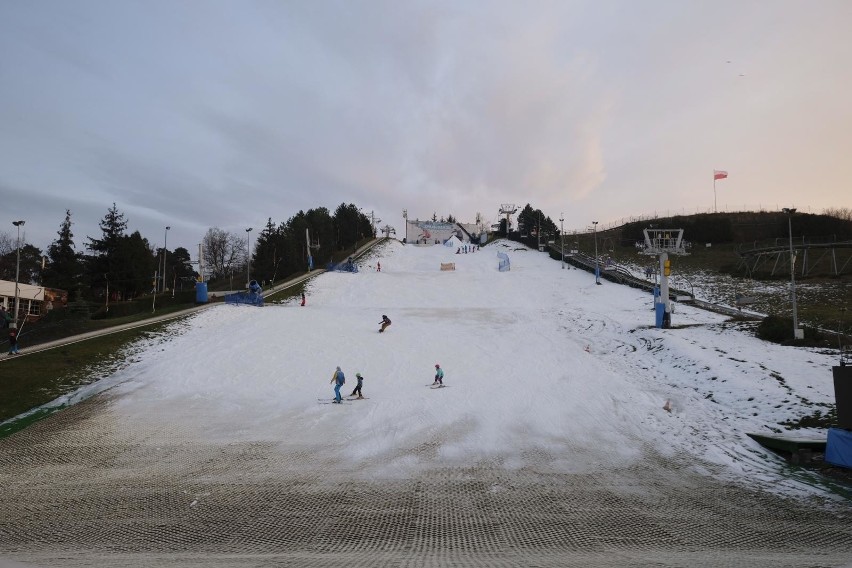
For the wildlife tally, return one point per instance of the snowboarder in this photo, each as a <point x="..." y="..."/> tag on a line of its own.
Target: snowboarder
<point x="13" y="341"/>
<point x="358" y="388"/>
<point x="439" y="375"/>
<point x="337" y="380"/>
<point x="385" y="323"/>
<point x="303" y="298"/>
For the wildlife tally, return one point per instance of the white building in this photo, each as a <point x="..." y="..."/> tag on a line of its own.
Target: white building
<point x="35" y="301"/>
<point x="437" y="232"/>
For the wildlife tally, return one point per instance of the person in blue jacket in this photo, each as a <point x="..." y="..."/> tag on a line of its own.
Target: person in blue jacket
<point x="439" y="375"/>
<point x="337" y="380"/>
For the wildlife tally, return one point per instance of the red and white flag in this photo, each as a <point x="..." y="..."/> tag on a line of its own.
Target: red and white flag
<point x="719" y="174"/>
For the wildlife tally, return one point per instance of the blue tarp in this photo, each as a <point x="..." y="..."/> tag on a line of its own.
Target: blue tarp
<point x="348" y="266"/>
<point x="253" y="297"/>
<point x="503" y="265"/>
<point x="838" y="447"/>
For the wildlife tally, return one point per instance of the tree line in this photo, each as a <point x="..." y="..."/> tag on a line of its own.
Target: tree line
<point x="128" y="266"/>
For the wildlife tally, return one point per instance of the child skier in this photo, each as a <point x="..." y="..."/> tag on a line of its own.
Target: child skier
<point x="385" y="323"/>
<point x="337" y="379"/>
<point x="439" y="375"/>
<point x="358" y="388"/>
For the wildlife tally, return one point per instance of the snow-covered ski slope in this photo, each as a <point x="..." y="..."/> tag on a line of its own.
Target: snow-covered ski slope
<point x="541" y="360"/>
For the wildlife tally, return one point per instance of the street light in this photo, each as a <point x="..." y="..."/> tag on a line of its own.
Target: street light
<point x="562" y="239"/>
<point x="405" y="216"/>
<point x="17" y="273"/>
<point x="165" y="247"/>
<point x="597" y="267"/>
<point x="789" y="211"/>
<point x="248" y="261"/>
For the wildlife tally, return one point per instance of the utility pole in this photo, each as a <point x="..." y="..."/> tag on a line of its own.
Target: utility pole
<point x="17" y="274"/>
<point x="597" y="266"/>
<point x="797" y="333"/>
<point x="562" y="239"/>
<point x="248" y="258"/>
<point x="165" y="248"/>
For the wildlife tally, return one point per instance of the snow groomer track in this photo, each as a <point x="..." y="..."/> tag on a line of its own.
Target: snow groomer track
<point x="78" y="493"/>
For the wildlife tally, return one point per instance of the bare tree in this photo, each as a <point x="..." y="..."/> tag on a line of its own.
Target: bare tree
<point x="844" y="213"/>
<point x="223" y="251"/>
<point x="7" y="243"/>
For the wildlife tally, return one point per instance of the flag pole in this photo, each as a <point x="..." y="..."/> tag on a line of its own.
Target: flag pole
<point x="715" y="210"/>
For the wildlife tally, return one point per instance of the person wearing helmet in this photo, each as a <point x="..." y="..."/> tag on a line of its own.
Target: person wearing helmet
<point x="358" y="387"/>
<point x="439" y="375"/>
<point x="385" y="323"/>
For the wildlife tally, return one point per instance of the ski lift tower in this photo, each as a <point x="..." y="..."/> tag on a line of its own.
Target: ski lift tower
<point x="508" y="209"/>
<point x="662" y="243"/>
<point x="311" y="245"/>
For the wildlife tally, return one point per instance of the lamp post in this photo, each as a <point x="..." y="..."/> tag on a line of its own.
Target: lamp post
<point x="789" y="211"/>
<point x="538" y="232"/>
<point x="248" y="259"/>
<point x="405" y="217"/>
<point x="165" y="248"/>
<point x="597" y="267"/>
<point x="17" y="273"/>
<point x="562" y="239"/>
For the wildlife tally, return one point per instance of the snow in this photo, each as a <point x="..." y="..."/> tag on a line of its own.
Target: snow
<point x="537" y="359"/>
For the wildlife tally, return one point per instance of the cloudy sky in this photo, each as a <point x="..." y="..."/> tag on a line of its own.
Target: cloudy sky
<point x="199" y="114"/>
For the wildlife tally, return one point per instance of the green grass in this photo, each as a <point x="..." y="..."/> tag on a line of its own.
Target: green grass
<point x="30" y="381"/>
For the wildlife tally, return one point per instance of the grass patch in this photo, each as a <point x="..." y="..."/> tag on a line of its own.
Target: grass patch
<point x="30" y="381"/>
<point x="816" y="420"/>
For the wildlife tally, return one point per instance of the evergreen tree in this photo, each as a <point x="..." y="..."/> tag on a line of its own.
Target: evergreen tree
<point x="322" y="231"/>
<point x="350" y="226"/>
<point x="294" y="244"/>
<point x="113" y="226"/>
<point x="64" y="268"/>
<point x="134" y="266"/>
<point x="266" y="253"/>
<point x="180" y="268"/>
<point x="29" y="268"/>
<point x="103" y="265"/>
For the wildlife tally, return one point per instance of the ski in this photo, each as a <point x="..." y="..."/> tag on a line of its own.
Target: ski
<point x="356" y="398"/>
<point x="437" y="386"/>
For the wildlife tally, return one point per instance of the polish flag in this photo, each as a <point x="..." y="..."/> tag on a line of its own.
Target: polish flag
<point x="719" y="174"/>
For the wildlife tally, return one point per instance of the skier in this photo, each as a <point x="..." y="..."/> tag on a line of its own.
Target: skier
<point x="337" y="379"/>
<point x="358" y="388"/>
<point x="13" y="340"/>
<point x="385" y="323"/>
<point x="303" y="298"/>
<point x="439" y="375"/>
<point x="378" y="267"/>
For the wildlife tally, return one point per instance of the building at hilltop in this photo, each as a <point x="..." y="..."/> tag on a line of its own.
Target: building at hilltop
<point x="438" y="232"/>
